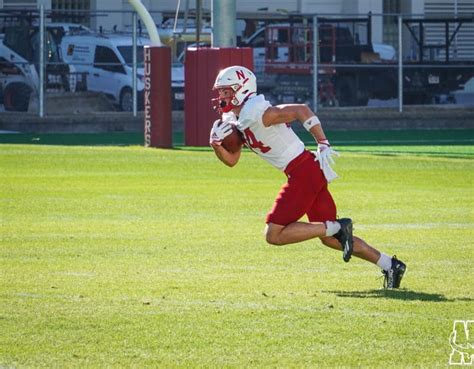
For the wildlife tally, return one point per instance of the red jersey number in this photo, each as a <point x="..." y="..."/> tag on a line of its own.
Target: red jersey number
<point x="254" y="143"/>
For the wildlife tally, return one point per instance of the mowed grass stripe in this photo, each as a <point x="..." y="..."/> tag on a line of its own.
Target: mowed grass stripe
<point x="379" y="137"/>
<point x="133" y="257"/>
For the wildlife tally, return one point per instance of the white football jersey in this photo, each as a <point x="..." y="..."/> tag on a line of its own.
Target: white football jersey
<point x="277" y="144"/>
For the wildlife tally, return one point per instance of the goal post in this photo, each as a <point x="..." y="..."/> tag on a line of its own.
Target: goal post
<point x="157" y="80"/>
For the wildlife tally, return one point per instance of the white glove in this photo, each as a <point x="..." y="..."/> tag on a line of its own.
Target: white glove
<point x="219" y="132"/>
<point x="324" y="155"/>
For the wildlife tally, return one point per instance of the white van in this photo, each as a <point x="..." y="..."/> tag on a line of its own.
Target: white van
<point x="108" y="61"/>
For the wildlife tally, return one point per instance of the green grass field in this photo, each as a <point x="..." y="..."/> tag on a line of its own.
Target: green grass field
<point x="136" y="258"/>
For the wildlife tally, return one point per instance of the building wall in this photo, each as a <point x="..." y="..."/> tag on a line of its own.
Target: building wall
<point x="154" y="7"/>
<point x="323" y="6"/>
<point x="463" y="42"/>
<point x="374" y="6"/>
<point x="242" y="5"/>
<point x="112" y="18"/>
<point x="18" y="3"/>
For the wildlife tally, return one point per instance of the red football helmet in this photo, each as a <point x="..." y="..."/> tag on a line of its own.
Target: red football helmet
<point x="235" y="85"/>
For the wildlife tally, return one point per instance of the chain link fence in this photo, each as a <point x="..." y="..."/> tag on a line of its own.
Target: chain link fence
<point x="366" y="60"/>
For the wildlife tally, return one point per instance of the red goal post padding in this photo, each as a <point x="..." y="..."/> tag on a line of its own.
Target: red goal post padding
<point x="157" y="97"/>
<point x="201" y="68"/>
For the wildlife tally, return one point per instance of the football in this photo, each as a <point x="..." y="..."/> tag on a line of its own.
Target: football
<point x="234" y="141"/>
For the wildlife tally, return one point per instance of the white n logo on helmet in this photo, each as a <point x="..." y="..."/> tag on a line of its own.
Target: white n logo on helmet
<point x="240" y="74"/>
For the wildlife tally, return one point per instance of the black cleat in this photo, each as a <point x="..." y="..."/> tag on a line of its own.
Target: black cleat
<point x="344" y="236"/>
<point x="394" y="276"/>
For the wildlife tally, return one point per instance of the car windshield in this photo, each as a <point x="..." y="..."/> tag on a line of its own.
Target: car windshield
<point x="127" y="55"/>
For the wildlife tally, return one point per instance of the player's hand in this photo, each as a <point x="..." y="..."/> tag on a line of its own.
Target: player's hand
<point x="219" y="132"/>
<point x="325" y="154"/>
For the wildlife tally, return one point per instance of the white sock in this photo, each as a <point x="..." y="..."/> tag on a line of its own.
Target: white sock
<point x="385" y="262"/>
<point x="332" y="228"/>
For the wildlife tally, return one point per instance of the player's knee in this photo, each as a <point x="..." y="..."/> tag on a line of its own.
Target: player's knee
<point x="272" y="236"/>
<point x="273" y="239"/>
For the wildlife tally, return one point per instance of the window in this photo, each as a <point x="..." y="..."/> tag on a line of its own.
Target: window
<point x="127" y="54"/>
<point x="18" y="39"/>
<point x="258" y="40"/>
<point x="105" y="58"/>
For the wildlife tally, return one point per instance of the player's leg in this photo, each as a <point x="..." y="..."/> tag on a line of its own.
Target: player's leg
<point x="276" y="234"/>
<point x="361" y="248"/>
<point x="293" y="201"/>
<point x="324" y="209"/>
<point x="283" y="226"/>
<point x="305" y="184"/>
<point x="392" y="268"/>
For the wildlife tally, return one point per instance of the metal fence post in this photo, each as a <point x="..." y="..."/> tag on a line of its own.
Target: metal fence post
<point x="223" y="23"/>
<point x="315" y="63"/>
<point x="134" y="64"/>
<point x="41" y="63"/>
<point x="400" y="65"/>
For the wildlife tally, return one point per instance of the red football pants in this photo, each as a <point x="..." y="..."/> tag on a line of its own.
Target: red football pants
<point x="306" y="192"/>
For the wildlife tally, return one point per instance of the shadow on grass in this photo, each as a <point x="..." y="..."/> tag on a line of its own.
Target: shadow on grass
<point x="401" y="294"/>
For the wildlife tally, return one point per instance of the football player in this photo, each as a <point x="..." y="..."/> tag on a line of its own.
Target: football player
<point x="266" y="132"/>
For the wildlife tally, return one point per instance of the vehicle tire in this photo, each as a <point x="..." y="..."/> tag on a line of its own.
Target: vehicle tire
<point x="126" y="99"/>
<point x="16" y="96"/>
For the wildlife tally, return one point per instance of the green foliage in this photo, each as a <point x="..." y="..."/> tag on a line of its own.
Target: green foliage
<point x="133" y="257"/>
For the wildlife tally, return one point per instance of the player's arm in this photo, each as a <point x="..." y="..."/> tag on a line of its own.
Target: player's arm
<point x="290" y="112"/>
<point x="228" y="158"/>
